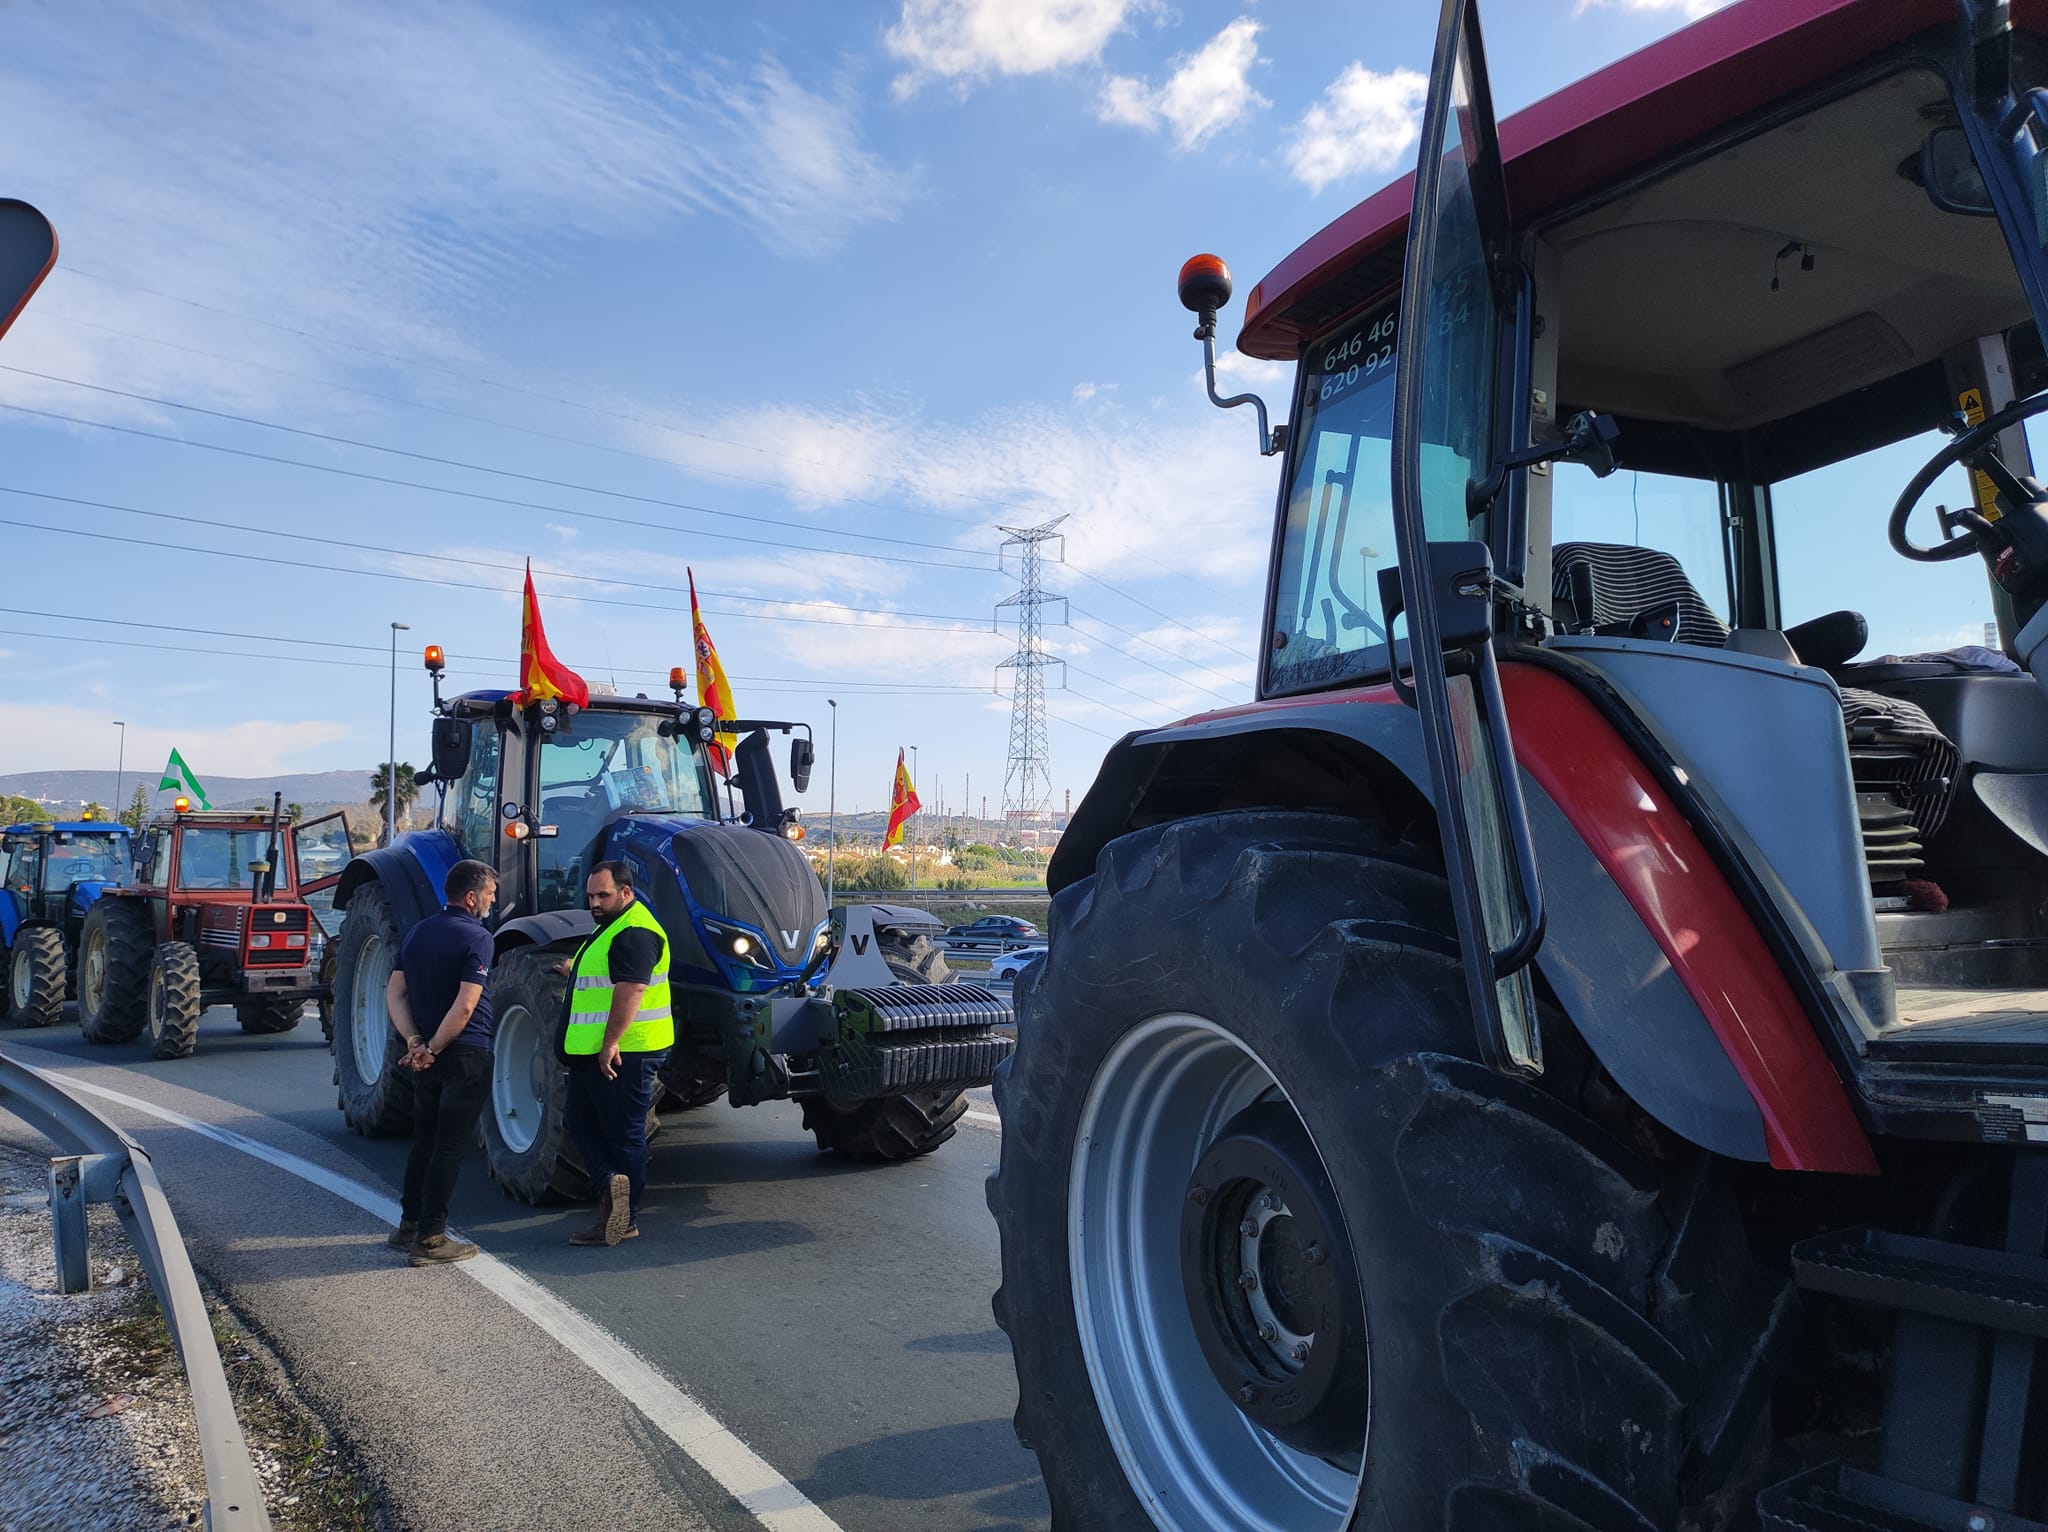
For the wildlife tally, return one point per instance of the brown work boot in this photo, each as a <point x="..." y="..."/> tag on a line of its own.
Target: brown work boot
<point x="402" y="1237"/>
<point x="439" y="1250"/>
<point x="614" y="1220"/>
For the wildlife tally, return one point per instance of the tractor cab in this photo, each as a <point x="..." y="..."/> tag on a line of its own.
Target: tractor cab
<point x="50" y="875"/>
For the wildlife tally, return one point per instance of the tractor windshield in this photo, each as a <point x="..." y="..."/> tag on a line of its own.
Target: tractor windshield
<point x="1340" y="530"/>
<point x="607" y="763"/>
<point x="85" y="857"/>
<point x="211" y="860"/>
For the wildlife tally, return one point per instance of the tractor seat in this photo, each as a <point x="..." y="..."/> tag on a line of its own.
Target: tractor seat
<point x="1897" y="755"/>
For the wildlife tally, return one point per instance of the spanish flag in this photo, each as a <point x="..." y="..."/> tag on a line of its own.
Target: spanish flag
<point x="713" y="690"/>
<point x="541" y="675"/>
<point x="902" y="803"/>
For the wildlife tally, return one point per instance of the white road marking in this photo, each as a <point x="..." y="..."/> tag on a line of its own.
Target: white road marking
<point x="988" y="1117"/>
<point x="741" y="1471"/>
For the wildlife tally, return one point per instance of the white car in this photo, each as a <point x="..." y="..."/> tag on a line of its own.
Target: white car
<point x="1010" y="964"/>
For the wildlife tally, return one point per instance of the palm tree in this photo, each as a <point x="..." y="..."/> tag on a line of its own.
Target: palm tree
<point x="406" y="791"/>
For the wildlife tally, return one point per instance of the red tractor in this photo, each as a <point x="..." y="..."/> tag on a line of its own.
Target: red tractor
<point x="218" y="916"/>
<point x="1572" y="1051"/>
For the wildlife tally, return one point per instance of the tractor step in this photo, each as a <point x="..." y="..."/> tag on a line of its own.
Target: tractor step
<point x="860" y="1070"/>
<point x="920" y="1008"/>
<point x="1995" y="1289"/>
<point x="1842" y="1499"/>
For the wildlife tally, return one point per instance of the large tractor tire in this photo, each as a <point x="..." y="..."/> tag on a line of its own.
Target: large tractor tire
<point x="893" y="1128"/>
<point x="327" y="964"/>
<point x="375" y="1090"/>
<point x="526" y="1140"/>
<point x="35" y="977"/>
<point x="267" y="1016"/>
<point x="113" y="971"/>
<point x="1277" y="1253"/>
<point x="172" y="1005"/>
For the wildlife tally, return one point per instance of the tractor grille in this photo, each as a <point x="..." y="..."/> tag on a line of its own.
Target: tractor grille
<point x="220" y="927"/>
<point x="279" y="936"/>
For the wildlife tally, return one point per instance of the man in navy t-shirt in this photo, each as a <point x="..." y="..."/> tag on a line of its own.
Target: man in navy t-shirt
<point x="437" y="1004"/>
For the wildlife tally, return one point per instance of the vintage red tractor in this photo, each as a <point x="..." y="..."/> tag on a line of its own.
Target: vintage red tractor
<point x="218" y="916"/>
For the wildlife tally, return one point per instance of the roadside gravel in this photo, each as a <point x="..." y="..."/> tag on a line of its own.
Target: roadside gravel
<point x="96" y="1425"/>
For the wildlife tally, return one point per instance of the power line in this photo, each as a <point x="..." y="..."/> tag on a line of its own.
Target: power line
<point x="1139" y="638"/>
<point x="42" y="312"/>
<point x="1139" y="659"/>
<point x="472" y="378"/>
<point x="410" y="579"/>
<point x="529" y="505"/>
<point x="473" y="563"/>
<point x="1155" y="611"/>
<point x="429" y="457"/>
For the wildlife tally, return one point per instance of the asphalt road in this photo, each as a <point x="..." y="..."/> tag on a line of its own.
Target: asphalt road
<point x="835" y="1319"/>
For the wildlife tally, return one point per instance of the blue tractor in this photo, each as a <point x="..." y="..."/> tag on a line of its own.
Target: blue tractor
<point x="50" y="875"/>
<point x="847" y="1011"/>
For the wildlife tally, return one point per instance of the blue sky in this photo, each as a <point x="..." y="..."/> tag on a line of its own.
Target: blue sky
<point x="890" y="274"/>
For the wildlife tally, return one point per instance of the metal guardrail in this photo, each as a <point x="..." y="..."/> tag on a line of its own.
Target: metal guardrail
<point x="109" y="1166"/>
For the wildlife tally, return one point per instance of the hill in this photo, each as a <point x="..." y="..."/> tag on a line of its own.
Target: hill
<point x="61" y="788"/>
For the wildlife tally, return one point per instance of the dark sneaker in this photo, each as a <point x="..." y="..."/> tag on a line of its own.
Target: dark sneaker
<point x="439" y="1250"/>
<point x="618" y="1211"/>
<point x="402" y="1237"/>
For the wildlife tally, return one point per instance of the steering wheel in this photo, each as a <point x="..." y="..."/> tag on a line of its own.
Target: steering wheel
<point x="1973" y="442"/>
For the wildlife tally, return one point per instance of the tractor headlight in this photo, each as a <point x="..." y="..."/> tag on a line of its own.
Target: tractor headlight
<point x="742" y="946"/>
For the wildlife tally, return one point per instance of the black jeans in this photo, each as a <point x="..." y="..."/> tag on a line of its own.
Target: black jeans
<point x="607" y="1119"/>
<point x="447" y="1100"/>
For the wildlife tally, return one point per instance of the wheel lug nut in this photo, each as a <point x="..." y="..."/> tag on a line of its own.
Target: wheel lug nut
<point x="1315" y="1255"/>
<point x="1199" y="1196"/>
<point x="1270" y="1203"/>
<point x="1299" y="1351"/>
<point x="1247" y="1394"/>
<point x="1268" y="1334"/>
<point x="1248" y="1280"/>
<point x="1248" y="1228"/>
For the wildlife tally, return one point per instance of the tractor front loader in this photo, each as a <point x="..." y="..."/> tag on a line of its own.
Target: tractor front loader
<point x="849" y="1012"/>
<point x="1572" y="1051"/>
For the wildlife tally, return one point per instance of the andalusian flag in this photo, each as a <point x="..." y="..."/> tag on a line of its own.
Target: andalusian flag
<point x="902" y="803"/>
<point x="541" y="675"/>
<point x="178" y="778"/>
<point x="713" y="690"/>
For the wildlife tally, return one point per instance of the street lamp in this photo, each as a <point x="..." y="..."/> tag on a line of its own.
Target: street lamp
<point x="120" y="761"/>
<point x="391" y="750"/>
<point x="913" y="833"/>
<point x="831" y="804"/>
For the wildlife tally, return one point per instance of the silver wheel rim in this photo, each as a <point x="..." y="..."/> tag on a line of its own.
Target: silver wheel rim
<point x="19" y="980"/>
<point x="92" y="971"/>
<point x="1196" y="1462"/>
<point x="516" y="1079"/>
<point x="369" y="1020"/>
<point x="158" y="1002"/>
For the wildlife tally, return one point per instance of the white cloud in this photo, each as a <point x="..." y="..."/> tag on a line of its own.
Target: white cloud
<point x="1692" y="10"/>
<point x="1086" y="391"/>
<point x="1209" y="90"/>
<point x="36" y="737"/>
<point x="968" y="40"/>
<point x="1235" y="369"/>
<point x="396" y="175"/>
<point x="1365" y="121"/>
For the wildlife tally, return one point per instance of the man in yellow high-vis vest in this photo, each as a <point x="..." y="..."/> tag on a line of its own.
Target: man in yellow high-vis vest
<point x="618" y="1035"/>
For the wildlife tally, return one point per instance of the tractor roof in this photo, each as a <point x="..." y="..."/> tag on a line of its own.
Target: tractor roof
<point x="1639" y="108"/>
<point x="68" y="826"/>
<point x="259" y="817"/>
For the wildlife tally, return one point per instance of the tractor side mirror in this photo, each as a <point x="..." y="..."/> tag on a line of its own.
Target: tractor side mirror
<point x="802" y="755"/>
<point x="1948" y="173"/>
<point x="451" y="748"/>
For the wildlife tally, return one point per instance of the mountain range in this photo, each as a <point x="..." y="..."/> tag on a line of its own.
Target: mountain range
<point x="309" y="788"/>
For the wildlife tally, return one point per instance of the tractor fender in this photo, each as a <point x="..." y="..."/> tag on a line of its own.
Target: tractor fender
<point x="905" y="918"/>
<point x="411" y="886"/>
<point x="547" y="929"/>
<point x="1361" y="753"/>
